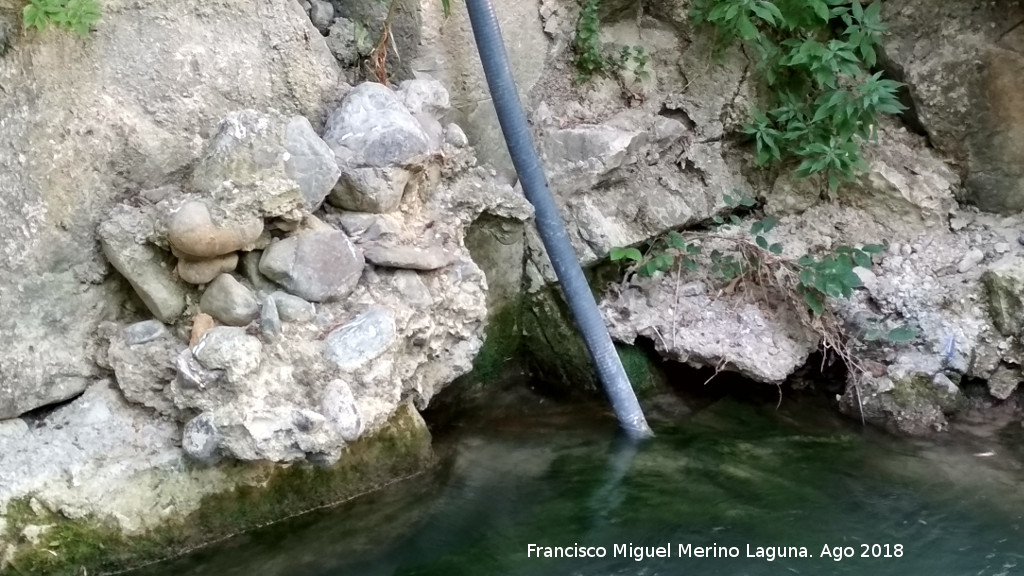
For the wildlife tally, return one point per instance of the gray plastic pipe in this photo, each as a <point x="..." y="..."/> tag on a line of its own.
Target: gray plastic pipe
<point x="505" y="94"/>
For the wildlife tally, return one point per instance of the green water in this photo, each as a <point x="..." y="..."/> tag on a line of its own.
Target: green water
<point x="733" y="476"/>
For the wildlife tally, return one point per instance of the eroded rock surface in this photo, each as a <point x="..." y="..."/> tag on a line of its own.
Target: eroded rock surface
<point x="86" y="122"/>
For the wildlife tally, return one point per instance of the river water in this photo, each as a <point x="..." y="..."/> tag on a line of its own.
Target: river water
<point x="745" y="483"/>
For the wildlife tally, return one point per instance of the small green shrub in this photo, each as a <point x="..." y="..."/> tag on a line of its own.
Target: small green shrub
<point x="635" y="59"/>
<point x="590" y="58"/>
<point x="809" y="282"/>
<point x="75" y="15"/>
<point x="825" y="102"/>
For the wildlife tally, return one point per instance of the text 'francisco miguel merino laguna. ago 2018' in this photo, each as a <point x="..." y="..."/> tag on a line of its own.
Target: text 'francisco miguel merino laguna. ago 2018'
<point x="767" y="553"/>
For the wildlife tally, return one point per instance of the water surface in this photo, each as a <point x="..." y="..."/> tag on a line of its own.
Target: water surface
<point x="734" y="477"/>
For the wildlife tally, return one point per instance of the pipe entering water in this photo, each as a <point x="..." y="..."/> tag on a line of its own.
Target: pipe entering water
<point x="552" y="231"/>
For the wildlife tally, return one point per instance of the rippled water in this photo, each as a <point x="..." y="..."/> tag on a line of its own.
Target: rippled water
<point x="734" y="477"/>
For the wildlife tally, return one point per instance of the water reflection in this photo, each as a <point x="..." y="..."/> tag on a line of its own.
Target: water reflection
<point x="732" y="476"/>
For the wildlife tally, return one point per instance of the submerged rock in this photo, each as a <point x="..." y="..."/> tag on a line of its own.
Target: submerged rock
<point x="315" y="265"/>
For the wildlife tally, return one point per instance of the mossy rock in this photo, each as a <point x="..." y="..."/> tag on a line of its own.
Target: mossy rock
<point x="558" y="357"/>
<point x="93" y="545"/>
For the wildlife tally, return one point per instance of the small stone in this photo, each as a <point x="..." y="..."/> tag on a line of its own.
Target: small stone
<point x="32" y="533"/>
<point x="230" y="349"/>
<point x="143" y="332"/>
<point x="270" y="320"/>
<point x="970" y="260"/>
<point x="408" y="257"/>
<point x="321" y="13"/>
<point x="456" y="136"/>
<point x="201" y="440"/>
<point x="193" y="233"/>
<point x="1001" y="248"/>
<point x="201" y="324"/>
<point x="339" y="407"/>
<point x="292" y="308"/>
<point x="13" y="429"/>
<point x="1004" y="382"/>
<point x="868" y="278"/>
<point x="375" y="190"/>
<point x="943" y="382"/>
<point x="229" y="302"/>
<point x="318" y="265"/>
<point x="250" y="270"/>
<point x="366" y="227"/>
<point x="668" y="130"/>
<point x="424" y="95"/>
<point x="1020" y="240"/>
<point x="204" y="271"/>
<point x="361" y="340"/>
<point x="192" y="375"/>
<point x="308" y="422"/>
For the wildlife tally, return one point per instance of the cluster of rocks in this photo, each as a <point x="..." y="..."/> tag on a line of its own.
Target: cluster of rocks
<point x="302" y="287"/>
<point x="947" y="273"/>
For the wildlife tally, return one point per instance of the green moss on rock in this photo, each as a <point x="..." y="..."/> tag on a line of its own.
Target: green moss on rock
<point x="266" y="493"/>
<point x="558" y="356"/>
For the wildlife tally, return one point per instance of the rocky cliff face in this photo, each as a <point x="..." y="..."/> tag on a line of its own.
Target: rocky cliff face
<point x="89" y="122"/>
<point x="222" y="252"/>
<point x="964" y="65"/>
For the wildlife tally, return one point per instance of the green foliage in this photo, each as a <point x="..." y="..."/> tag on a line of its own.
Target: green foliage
<point x="810" y="280"/>
<point x="75" y="15"/>
<point x="590" y="58"/>
<point x="825" y="101"/>
<point x="636" y="60"/>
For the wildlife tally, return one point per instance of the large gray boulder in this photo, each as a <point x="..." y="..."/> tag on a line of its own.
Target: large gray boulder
<point x="964" y="65"/>
<point x="375" y="128"/>
<point x="282" y="156"/>
<point x="88" y="121"/>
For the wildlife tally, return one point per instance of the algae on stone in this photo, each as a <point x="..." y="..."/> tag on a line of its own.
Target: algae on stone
<point x="265" y="493"/>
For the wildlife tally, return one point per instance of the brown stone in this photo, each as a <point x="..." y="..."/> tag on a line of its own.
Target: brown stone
<point x="200" y="325"/>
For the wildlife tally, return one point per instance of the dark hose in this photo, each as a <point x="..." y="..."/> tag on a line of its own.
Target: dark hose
<point x="505" y="94"/>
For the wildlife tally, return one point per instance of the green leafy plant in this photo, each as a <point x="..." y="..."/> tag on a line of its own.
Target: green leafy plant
<point x="590" y="58"/>
<point x="75" y="15"/>
<point x="809" y="282"/>
<point x="824" y="100"/>
<point x="636" y="60"/>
